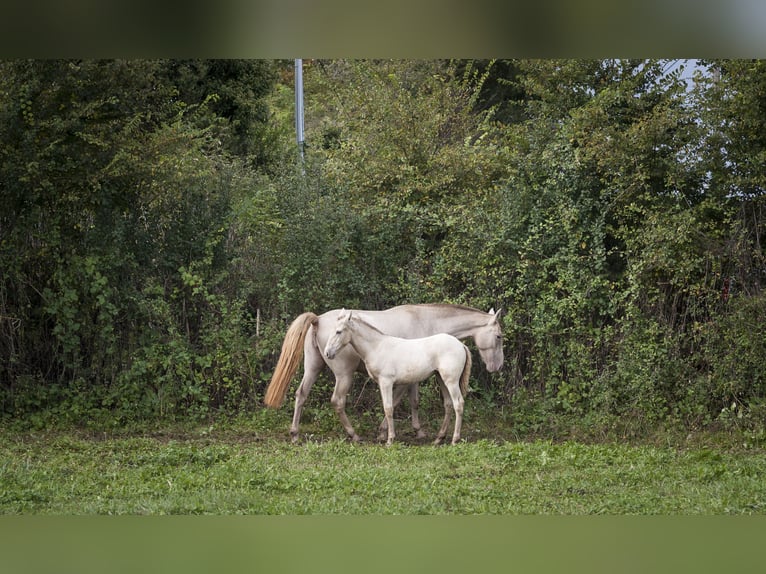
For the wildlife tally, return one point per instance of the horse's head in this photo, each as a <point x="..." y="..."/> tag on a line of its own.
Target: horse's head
<point x="341" y="335"/>
<point x="489" y="341"/>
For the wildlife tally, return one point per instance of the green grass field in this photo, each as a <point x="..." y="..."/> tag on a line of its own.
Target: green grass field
<point x="245" y="469"/>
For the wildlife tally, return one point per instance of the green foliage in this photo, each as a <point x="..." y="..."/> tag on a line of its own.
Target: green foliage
<point x="115" y="227"/>
<point x="240" y="89"/>
<point x="407" y="158"/>
<point x="735" y="348"/>
<point x="157" y="232"/>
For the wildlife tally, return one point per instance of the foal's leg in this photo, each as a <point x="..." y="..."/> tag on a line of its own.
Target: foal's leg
<point x="399" y="391"/>
<point x="312" y="366"/>
<point x="453" y="387"/>
<point x="447" y="412"/>
<point x="386" y="395"/>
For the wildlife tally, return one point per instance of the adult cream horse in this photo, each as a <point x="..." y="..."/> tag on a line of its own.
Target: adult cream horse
<point x="394" y="361"/>
<point x="308" y="334"/>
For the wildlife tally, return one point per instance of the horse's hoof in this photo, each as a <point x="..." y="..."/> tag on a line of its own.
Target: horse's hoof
<point x="420" y="434"/>
<point x="437" y="442"/>
<point x="294" y="438"/>
<point x="356" y="439"/>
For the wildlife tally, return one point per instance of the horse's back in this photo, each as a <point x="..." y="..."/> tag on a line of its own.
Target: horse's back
<point x="445" y="343"/>
<point x="408" y="321"/>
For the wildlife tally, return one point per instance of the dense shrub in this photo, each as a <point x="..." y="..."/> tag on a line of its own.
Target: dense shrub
<point x="158" y="233"/>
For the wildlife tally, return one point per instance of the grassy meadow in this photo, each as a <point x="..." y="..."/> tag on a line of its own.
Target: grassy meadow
<point x="250" y="467"/>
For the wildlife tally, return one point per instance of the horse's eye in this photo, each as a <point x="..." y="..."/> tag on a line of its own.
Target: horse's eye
<point x="338" y="332"/>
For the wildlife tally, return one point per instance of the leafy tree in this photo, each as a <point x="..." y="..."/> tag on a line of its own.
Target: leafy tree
<point x="115" y="212"/>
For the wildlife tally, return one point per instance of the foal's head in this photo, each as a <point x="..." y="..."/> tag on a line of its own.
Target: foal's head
<point x="341" y="335"/>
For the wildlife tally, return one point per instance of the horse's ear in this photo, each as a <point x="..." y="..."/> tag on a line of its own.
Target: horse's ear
<point x="495" y="315"/>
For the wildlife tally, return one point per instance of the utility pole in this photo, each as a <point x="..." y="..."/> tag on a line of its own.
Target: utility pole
<point x="299" y="106"/>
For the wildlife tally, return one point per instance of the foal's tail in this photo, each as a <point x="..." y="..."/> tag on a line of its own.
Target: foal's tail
<point x="466" y="371"/>
<point x="292" y="350"/>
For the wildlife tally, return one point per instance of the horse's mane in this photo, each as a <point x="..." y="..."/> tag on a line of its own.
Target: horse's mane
<point x="450" y="306"/>
<point x="446" y="307"/>
<point x="356" y="317"/>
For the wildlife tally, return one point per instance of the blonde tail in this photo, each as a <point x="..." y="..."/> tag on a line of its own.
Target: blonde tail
<point x="466" y="371"/>
<point x="292" y="351"/>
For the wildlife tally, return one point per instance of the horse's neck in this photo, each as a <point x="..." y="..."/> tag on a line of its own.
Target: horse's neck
<point x="413" y="321"/>
<point x="458" y="322"/>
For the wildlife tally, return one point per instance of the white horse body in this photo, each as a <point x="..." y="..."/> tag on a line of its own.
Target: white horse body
<point x="416" y="359"/>
<point x="309" y="333"/>
<point x="393" y="361"/>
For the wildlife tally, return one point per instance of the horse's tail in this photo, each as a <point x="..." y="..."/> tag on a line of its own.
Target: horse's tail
<point x="466" y="371"/>
<point x="292" y="350"/>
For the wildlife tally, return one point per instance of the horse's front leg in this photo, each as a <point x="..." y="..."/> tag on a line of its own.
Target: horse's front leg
<point x="343" y="384"/>
<point x="386" y="395"/>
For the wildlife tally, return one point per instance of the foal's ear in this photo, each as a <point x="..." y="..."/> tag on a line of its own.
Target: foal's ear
<point x="495" y="315"/>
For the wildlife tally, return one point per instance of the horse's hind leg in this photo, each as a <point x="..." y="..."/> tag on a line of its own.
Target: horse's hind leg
<point x="312" y="366"/>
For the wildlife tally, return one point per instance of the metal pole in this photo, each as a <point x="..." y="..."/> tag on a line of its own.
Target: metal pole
<point x="299" y="105"/>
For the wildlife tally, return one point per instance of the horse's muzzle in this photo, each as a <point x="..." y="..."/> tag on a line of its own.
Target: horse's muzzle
<point x="494" y="366"/>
